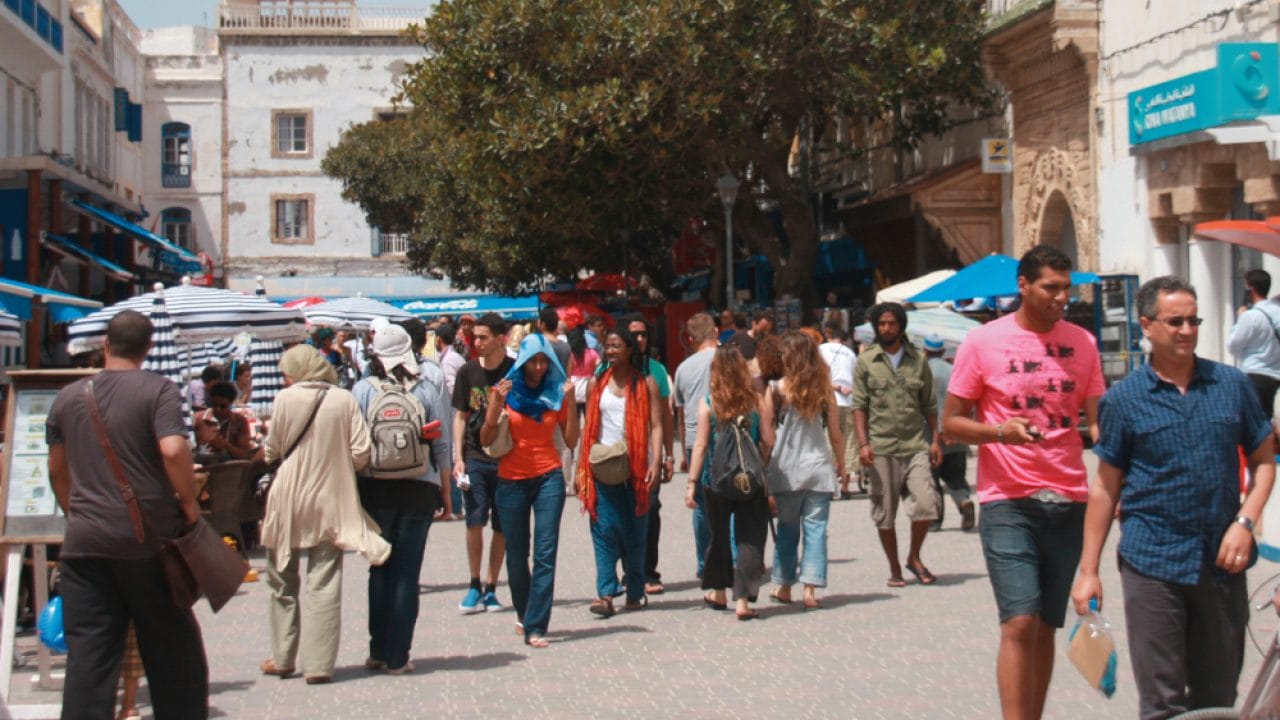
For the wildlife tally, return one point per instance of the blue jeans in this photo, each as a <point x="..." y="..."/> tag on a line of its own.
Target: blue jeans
<point x="544" y="498"/>
<point x="801" y="513"/>
<point x="393" y="586"/>
<point x="618" y="534"/>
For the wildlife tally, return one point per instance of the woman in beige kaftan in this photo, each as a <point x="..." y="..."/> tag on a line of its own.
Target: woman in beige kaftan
<point x="313" y="508"/>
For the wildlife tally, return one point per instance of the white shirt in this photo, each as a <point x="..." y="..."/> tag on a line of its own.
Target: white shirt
<point x="613" y="417"/>
<point x="841" y="360"/>
<point x="896" y="358"/>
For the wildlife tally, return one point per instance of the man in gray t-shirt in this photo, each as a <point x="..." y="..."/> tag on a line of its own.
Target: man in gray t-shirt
<point x="110" y="568"/>
<point x="693" y="382"/>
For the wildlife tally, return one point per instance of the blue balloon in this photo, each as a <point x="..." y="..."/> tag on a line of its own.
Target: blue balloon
<point x="49" y="626"/>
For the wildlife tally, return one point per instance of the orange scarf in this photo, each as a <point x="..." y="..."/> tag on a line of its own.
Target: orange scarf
<point x="637" y="437"/>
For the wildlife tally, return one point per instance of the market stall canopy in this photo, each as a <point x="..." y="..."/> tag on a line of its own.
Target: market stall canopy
<point x="993" y="276"/>
<point x="179" y="259"/>
<point x="903" y="290"/>
<point x="951" y="326"/>
<point x="63" y="307"/>
<point x="1260" y="235"/>
<point x="512" y="308"/>
<point x="74" y="252"/>
<point x="198" y="314"/>
<point x="353" y="313"/>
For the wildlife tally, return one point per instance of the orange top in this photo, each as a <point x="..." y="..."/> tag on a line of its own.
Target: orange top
<point x="533" y="452"/>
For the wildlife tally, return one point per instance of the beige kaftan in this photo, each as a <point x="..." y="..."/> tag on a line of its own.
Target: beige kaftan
<point x="314" y="498"/>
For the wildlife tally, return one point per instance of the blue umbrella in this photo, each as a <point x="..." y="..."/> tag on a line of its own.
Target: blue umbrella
<point x="993" y="276"/>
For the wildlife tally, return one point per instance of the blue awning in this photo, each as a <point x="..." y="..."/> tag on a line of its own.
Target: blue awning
<point x="182" y="260"/>
<point x="66" y="247"/>
<point x="995" y="275"/>
<point x="515" y="308"/>
<point x="63" y="307"/>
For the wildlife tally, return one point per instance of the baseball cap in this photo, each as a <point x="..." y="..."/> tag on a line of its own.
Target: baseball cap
<point x="393" y="347"/>
<point x="933" y="343"/>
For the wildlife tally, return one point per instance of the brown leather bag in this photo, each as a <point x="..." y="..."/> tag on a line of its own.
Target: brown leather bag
<point x="195" y="562"/>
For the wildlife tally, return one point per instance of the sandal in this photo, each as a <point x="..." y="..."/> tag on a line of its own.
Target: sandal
<point x="268" y="667"/>
<point x="779" y="598"/>
<point x="603" y="607"/>
<point x="654" y="588"/>
<point x="711" y="603"/>
<point x="812" y="604"/>
<point x="748" y="615"/>
<point x="322" y="679"/>
<point x="537" y="641"/>
<point x="640" y="604"/>
<point x="896" y="582"/>
<point x="922" y="574"/>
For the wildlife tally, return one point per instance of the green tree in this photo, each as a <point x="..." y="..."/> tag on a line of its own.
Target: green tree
<point x="547" y="136"/>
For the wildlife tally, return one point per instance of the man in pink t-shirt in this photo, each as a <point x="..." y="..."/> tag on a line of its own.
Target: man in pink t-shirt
<point x="1028" y="375"/>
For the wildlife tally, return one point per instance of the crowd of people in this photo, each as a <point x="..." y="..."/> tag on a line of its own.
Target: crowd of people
<point x="500" y="427"/>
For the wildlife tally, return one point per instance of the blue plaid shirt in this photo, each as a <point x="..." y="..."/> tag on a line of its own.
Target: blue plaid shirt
<point x="1178" y="452"/>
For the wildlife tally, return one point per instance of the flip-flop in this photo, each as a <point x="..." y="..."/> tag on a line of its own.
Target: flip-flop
<point x="896" y="582"/>
<point x="706" y="600"/>
<point x="774" y="596"/>
<point x="748" y="615"/>
<point x="654" y="588"/>
<point x="537" y="641"/>
<point x="812" y="604"/>
<point x="922" y="574"/>
<point x="603" y="607"/>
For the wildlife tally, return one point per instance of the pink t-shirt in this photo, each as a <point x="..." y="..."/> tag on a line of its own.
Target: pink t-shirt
<point x="1012" y="372"/>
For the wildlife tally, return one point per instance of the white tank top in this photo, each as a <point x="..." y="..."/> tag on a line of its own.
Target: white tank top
<point x="613" y="417"/>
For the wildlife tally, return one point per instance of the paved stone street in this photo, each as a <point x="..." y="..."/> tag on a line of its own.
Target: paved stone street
<point x="872" y="652"/>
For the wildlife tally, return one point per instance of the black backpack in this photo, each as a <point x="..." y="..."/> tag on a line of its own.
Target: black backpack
<point x="737" y="471"/>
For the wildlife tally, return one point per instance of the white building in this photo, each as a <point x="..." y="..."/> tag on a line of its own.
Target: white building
<point x="1186" y="118"/>
<point x="297" y="74"/>
<point x="182" y="136"/>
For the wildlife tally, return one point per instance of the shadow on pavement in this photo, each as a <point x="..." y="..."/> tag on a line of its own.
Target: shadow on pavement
<point x="830" y="602"/>
<point x="220" y="687"/>
<point x="560" y="636"/>
<point x="956" y="578"/>
<point x="453" y="663"/>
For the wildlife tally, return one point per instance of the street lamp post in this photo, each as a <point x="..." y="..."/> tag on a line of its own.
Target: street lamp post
<point x="727" y="186"/>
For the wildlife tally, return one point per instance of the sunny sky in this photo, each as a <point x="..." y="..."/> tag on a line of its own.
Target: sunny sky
<point x="148" y="14"/>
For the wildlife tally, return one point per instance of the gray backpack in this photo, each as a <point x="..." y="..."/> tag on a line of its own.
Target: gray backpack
<point x="395" y="418"/>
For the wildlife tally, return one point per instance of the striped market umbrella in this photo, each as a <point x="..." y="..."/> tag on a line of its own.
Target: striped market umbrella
<point x="354" y="313"/>
<point x="163" y="358"/>
<point x="195" y="358"/>
<point x="10" y="330"/>
<point x="264" y="355"/>
<point x="198" y="314"/>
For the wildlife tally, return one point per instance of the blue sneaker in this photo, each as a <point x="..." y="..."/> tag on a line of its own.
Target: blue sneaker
<point x="491" y="603"/>
<point x="471" y="603"/>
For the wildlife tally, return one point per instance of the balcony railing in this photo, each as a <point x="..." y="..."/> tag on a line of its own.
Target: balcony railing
<point x="394" y="243"/>
<point x="175" y="175"/>
<point x="273" y="16"/>
<point x="40" y="20"/>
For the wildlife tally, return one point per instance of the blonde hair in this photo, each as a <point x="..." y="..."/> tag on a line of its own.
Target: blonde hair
<point x="731" y="389"/>
<point x="516" y="335"/>
<point x="808" y="379"/>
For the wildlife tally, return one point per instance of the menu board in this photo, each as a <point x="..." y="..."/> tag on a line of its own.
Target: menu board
<point x="31" y="512"/>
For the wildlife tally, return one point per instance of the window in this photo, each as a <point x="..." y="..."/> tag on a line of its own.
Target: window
<point x="291" y="133"/>
<point x="175" y="155"/>
<point x="292" y="222"/>
<point x="175" y="226"/>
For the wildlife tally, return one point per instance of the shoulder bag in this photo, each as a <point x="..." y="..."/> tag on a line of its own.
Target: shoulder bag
<point x="195" y="562"/>
<point x="502" y="443"/>
<point x="264" y="486"/>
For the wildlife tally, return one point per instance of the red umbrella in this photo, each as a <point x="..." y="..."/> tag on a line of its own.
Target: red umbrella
<point x="305" y="302"/>
<point x="1261" y="235"/>
<point x="575" y="313"/>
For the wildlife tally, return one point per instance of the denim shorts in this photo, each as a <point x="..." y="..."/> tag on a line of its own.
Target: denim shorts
<point x="1032" y="549"/>
<point x="478" y="499"/>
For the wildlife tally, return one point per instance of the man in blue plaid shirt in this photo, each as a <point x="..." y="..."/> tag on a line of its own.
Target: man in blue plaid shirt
<point x="1169" y="454"/>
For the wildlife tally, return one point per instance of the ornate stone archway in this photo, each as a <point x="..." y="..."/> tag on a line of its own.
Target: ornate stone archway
<point x="1055" y="175"/>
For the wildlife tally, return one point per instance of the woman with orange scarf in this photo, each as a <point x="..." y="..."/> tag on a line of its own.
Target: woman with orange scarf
<point x="623" y="439"/>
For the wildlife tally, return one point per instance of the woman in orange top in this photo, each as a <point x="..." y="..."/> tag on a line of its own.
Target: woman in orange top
<point x="538" y="399"/>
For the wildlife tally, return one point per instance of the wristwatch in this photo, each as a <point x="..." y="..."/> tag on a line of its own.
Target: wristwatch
<point x="1246" y="522"/>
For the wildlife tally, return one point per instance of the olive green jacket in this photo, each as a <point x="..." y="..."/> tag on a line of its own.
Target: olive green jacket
<point x="896" y="401"/>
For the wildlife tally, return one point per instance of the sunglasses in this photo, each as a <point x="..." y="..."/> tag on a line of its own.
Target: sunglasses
<point x="1176" y="322"/>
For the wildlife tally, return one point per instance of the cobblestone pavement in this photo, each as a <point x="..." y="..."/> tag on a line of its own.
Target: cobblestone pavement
<point x="871" y="652"/>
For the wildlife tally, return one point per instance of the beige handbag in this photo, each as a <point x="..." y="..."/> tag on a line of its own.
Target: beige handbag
<point x="502" y="444"/>
<point x="609" y="463"/>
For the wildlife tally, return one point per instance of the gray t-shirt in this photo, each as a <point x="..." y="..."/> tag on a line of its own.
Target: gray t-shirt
<point x="693" y="382"/>
<point x="138" y="408"/>
<point x="941" y="370"/>
<point x="562" y="351"/>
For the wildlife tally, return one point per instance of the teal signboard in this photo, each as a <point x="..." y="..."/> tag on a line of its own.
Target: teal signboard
<point x="1244" y="85"/>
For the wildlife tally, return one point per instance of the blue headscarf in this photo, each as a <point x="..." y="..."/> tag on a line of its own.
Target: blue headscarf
<point x="533" y="402"/>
